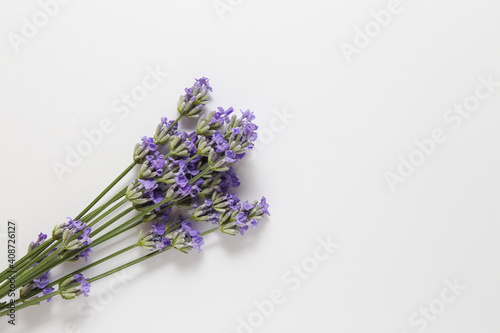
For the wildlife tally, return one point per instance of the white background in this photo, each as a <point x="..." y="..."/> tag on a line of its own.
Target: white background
<point x="323" y="171"/>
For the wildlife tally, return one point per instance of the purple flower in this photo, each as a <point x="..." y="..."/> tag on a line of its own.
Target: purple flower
<point x="221" y="144"/>
<point x="264" y="206"/>
<point x="233" y="201"/>
<point x="203" y="83"/>
<point x="246" y="129"/>
<point x="156" y="163"/>
<point x="186" y="167"/>
<point x="242" y="229"/>
<point x="158" y="196"/>
<point x="164" y="215"/>
<point x="85" y="254"/>
<point x="188" y="229"/>
<point x="84" y="283"/>
<point x="213" y="217"/>
<point x="248" y="115"/>
<point x="148" y="142"/>
<point x="249" y="130"/>
<point x="168" y="124"/>
<point x="191" y="147"/>
<point x="229" y="179"/>
<point x="185" y="190"/>
<point x="41" y="237"/>
<point x="241" y="219"/>
<point x="159" y="162"/>
<point x="163" y="243"/>
<point x="254" y="223"/>
<point x="221" y="116"/>
<point x="76" y="225"/>
<point x="149" y="184"/>
<point x="230" y="156"/>
<point x="196" y="240"/>
<point x="192" y="168"/>
<point x="247" y="206"/>
<point x="42" y="281"/>
<point x="84" y="237"/>
<point x="240" y="156"/>
<point x="158" y="228"/>
<point x="181" y="180"/>
<point x="47" y="291"/>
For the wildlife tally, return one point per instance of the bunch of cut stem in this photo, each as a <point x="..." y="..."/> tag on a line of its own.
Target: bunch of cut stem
<point x="49" y="255"/>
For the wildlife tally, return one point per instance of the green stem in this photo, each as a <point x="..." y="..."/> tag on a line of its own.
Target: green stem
<point x="175" y="122"/>
<point x="83" y="269"/>
<point x="113" y="220"/>
<point x="103" y="275"/>
<point x="82" y="216"/>
<point x="90" y="216"/>
<point x="20" y="264"/>
<point x="39" y="270"/>
<point x="115" y="232"/>
<point x="146" y="257"/>
<point x="209" y="231"/>
<point x="96" y="278"/>
<point x="122" y="267"/>
<point x="49" y="265"/>
<point x="30" y="303"/>
<point x="106" y="190"/>
<point x="109" y="211"/>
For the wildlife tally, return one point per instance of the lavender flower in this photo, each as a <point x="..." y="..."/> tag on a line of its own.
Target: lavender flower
<point x="145" y="148"/>
<point x="152" y="166"/>
<point x="236" y="216"/>
<point x="191" y="104"/>
<point x="42" y="281"/>
<point x="76" y="225"/>
<point x="84" y="284"/>
<point x="186" y="237"/>
<point x="190" y="171"/>
<point x="229" y="179"/>
<point x="164" y="131"/>
<point x="33" y="245"/>
<point x="141" y="191"/>
<point x="85" y="254"/>
<point x="182" y="145"/>
<point x="153" y="239"/>
<point x="214" y="121"/>
<point x="68" y="291"/>
<point x="47" y="291"/>
<point x="71" y="228"/>
<point x="221" y="145"/>
<point x="84" y="237"/>
<point x="206" y="213"/>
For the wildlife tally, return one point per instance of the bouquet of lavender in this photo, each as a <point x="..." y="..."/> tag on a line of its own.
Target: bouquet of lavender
<point x="190" y="171"/>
